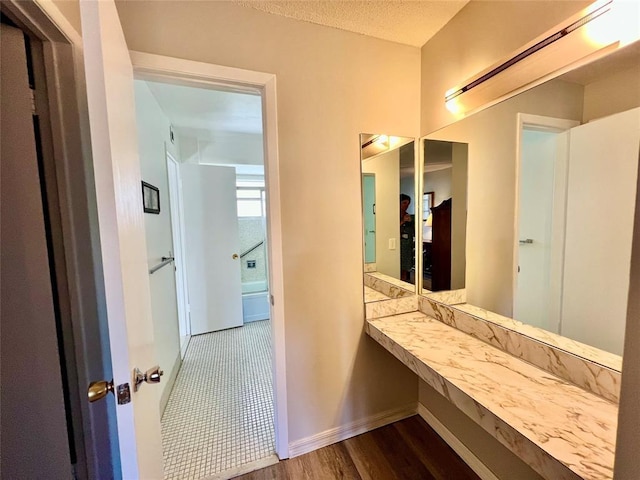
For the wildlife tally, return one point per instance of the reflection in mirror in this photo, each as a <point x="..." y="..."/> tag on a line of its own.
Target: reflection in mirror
<point x="444" y="215"/>
<point x="552" y="198"/>
<point x="388" y="209"/>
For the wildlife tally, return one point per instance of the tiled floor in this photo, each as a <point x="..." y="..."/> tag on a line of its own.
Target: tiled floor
<point x="220" y="412"/>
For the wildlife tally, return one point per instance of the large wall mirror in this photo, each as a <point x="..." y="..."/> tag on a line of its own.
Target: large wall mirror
<point x="550" y="203"/>
<point x="388" y="209"/>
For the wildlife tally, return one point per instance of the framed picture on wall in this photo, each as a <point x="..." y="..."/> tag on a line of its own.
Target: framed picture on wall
<point x="150" y="198"/>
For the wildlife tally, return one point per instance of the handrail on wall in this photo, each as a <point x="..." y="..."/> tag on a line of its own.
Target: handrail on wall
<point x="252" y="248"/>
<point x="165" y="261"/>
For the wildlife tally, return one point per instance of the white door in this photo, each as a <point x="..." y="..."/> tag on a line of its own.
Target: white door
<point x="538" y="202"/>
<point x="604" y="159"/>
<point x="212" y="247"/>
<point x="112" y="120"/>
<point x="177" y="231"/>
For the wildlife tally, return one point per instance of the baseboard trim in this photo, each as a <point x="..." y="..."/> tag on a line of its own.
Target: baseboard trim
<point x="338" y="434"/>
<point x="255" y="317"/>
<point x="467" y="455"/>
<point x="171" y="379"/>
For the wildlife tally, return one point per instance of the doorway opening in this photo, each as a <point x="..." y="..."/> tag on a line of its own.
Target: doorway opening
<point x="203" y="149"/>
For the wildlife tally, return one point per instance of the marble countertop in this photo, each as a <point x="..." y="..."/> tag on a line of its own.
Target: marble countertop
<point x="594" y="354"/>
<point x="559" y="429"/>
<point x="371" y="295"/>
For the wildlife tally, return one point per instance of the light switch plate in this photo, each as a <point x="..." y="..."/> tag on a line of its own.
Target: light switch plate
<point x="392" y="244"/>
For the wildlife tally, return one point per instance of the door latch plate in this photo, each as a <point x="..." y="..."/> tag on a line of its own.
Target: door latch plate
<point x="123" y="394"/>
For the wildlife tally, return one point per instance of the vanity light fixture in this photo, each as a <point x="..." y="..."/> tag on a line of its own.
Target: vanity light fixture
<point x="379" y="141"/>
<point x="550" y="53"/>
<point x="382" y="141"/>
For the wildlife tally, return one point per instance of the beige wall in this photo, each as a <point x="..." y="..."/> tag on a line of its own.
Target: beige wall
<point x="386" y="168"/>
<point x="71" y="10"/>
<point x="326" y="98"/>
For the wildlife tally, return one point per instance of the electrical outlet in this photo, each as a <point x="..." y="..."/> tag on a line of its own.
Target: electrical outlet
<point x="251" y="264"/>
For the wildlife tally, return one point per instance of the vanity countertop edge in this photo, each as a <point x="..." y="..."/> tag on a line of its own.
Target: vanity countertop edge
<point x="561" y="430"/>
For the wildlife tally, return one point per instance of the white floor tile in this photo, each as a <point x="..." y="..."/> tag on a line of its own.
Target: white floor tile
<point x="220" y="412"/>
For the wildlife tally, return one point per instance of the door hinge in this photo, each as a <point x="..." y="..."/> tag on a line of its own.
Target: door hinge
<point x="272" y="300"/>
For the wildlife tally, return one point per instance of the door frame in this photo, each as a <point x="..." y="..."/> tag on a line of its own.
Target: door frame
<point x="94" y="426"/>
<point x="176" y="71"/>
<point x="544" y="124"/>
<point x="177" y="230"/>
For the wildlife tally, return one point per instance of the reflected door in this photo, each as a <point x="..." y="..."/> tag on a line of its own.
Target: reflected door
<point x="369" y="213"/>
<point x="541" y="212"/>
<point x="600" y="217"/>
<point x="212" y="247"/>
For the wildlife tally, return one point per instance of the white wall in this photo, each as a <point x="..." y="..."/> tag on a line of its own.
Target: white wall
<point x="227" y="148"/>
<point x="153" y="135"/>
<point x="326" y="98"/>
<point x="386" y="168"/>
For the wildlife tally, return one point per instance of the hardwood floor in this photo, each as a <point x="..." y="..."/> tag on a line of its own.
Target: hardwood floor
<point x="405" y="450"/>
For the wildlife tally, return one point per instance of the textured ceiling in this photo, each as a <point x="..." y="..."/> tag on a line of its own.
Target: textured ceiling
<point x="408" y="22"/>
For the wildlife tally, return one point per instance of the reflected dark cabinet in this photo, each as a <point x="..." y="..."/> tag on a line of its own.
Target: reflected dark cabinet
<point x="441" y="247"/>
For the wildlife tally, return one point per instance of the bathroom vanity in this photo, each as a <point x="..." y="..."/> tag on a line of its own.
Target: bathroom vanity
<point x="526" y="335"/>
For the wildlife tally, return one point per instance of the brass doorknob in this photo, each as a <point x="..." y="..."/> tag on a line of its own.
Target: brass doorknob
<point x="99" y="390"/>
<point x="150" y="376"/>
<point x="234" y="256"/>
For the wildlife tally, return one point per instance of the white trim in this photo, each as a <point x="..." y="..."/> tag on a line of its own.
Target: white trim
<point x="176" y="208"/>
<point x="344" y="432"/>
<point x="463" y="452"/>
<point x="186" y="72"/>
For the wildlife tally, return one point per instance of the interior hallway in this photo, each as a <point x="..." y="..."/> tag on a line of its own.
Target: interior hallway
<point x="220" y="412"/>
